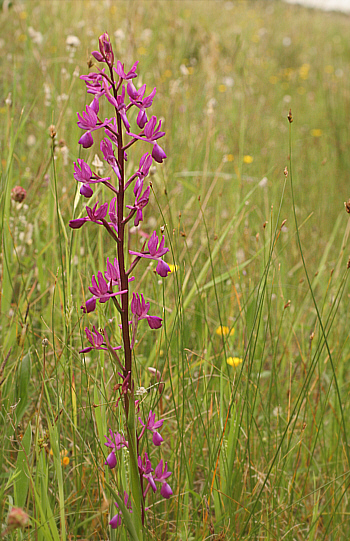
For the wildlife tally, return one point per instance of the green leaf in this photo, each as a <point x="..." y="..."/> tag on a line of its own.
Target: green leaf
<point x="23" y="380"/>
<point x="21" y="483"/>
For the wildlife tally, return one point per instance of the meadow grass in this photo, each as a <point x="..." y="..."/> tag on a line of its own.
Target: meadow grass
<point x="254" y="346"/>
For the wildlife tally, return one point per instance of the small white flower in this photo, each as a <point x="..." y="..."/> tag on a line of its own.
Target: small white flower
<point x="72" y="42"/>
<point x="35" y="36"/>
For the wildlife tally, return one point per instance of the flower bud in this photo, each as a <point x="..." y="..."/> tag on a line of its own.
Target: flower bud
<point x="106" y="48"/>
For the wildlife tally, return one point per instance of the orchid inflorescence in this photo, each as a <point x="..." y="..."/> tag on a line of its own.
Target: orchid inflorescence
<point x="113" y="83"/>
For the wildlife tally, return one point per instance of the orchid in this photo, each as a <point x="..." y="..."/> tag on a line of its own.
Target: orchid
<point x="161" y="476"/>
<point x="140" y="309"/>
<point x="155" y="252"/>
<point x="96" y="215"/>
<point x="96" y="340"/>
<point x="114" y="84"/>
<point x="152" y="425"/>
<point x="140" y="202"/>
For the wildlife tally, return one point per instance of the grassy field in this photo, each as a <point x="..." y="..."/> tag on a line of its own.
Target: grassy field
<point x="254" y="349"/>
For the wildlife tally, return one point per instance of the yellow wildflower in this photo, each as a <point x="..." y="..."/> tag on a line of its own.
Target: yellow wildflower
<point x="222" y="330"/>
<point x="248" y="159"/>
<point x="316" y="132"/>
<point x="141" y="51"/>
<point x="304" y="71"/>
<point x="234" y="361"/>
<point x="222" y="88"/>
<point x="65" y="461"/>
<point x="172" y="267"/>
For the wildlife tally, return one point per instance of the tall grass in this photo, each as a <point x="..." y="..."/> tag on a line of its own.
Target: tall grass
<point x="258" y="450"/>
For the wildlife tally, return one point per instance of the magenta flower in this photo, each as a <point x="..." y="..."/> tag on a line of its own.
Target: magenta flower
<point x="141" y="201"/>
<point x="88" y="120"/>
<point x="161" y="476"/>
<point x="145" y="468"/>
<point x="136" y="98"/>
<point x="106" y="52"/>
<point x="141" y="173"/>
<point x="140" y="309"/>
<point x="143" y="170"/>
<point x="83" y="174"/>
<point x="93" y="83"/>
<point x="116" y="441"/>
<point x="118" y="103"/>
<point x="152" y="425"/>
<point x="93" y="215"/>
<point x="96" y="340"/>
<point x="127" y="76"/>
<point x="117" y="519"/>
<point x="99" y="290"/>
<point x="155" y="253"/>
<point x="151" y="133"/>
<point x="112" y="274"/>
<point x="108" y="154"/>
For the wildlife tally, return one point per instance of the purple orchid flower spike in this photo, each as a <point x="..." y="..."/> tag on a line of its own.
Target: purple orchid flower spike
<point x="161" y="476"/>
<point x="145" y="469"/>
<point x="117" y="519"/>
<point x="127" y="76"/>
<point x="93" y="215"/>
<point x="152" y="425"/>
<point x="141" y="201"/>
<point x="140" y="309"/>
<point x="155" y="253"/>
<point x="99" y="290"/>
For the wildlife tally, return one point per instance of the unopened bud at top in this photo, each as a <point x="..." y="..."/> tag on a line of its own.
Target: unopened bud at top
<point x="106" y="52"/>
